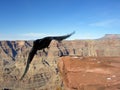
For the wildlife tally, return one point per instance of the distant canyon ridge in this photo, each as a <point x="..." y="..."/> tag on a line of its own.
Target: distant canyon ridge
<point x="109" y="45"/>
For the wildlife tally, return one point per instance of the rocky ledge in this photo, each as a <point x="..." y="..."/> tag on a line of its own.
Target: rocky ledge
<point x="90" y="73"/>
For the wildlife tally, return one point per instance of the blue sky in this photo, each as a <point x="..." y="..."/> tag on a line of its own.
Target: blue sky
<point x="32" y="19"/>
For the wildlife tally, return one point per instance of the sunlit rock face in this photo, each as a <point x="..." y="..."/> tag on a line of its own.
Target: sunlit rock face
<point x="43" y="72"/>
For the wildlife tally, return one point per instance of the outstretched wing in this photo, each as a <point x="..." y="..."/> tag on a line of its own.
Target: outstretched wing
<point x="30" y="57"/>
<point x="60" y="38"/>
<point x="35" y="47"/>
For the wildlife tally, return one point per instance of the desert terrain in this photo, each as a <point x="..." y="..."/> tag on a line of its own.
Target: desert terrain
<point x="72" y="65"/>
<point x="90" y="73"/>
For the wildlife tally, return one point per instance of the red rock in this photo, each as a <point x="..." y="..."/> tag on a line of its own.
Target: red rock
<point x="88" y="74"/>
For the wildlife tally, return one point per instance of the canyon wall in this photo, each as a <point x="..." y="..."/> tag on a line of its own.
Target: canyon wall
<point x="43" y="72"/>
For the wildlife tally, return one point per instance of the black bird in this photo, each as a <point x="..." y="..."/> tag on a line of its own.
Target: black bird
<point x="40" y="44"/>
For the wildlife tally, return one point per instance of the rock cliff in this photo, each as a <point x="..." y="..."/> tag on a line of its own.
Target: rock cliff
<point x="43" y="73"/>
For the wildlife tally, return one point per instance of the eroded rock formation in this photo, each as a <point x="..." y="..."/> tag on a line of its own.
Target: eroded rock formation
<point x="43" y="73"/>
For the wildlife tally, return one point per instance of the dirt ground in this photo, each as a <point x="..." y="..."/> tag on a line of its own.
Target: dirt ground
<point x="90" y="73"/>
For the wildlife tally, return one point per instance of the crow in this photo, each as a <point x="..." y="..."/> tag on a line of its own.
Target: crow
<point x="41" y="44"/>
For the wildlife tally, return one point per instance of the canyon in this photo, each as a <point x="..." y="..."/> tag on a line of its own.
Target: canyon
<point x="46" y="71"/>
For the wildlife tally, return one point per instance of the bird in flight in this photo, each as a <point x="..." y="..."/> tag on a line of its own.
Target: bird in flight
<point x="41" y="44"/>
